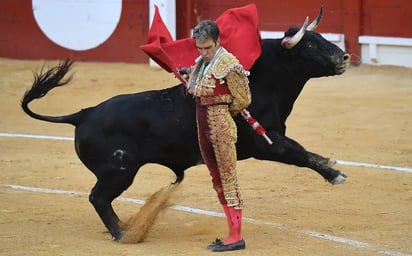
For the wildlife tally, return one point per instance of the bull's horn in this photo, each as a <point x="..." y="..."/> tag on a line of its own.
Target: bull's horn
<point x="312" y="26"/>
<point x="290" y="41"/>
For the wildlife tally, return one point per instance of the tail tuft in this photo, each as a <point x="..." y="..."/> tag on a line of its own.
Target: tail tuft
<point x="44" y="81"/>
<point x="47" y="80"/>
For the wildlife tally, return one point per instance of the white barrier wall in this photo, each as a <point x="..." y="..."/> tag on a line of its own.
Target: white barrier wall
<point x="386" y="50"/>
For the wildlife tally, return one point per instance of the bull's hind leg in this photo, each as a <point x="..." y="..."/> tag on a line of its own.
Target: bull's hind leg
<point x="323" y="166"/>
<point x="289" y="151"/>
<point x="101" y="197"/>
<point x="321" y="159"/>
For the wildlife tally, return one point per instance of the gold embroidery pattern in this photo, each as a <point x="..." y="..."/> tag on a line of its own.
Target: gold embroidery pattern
<point x="238" y="85"/>
<point x="218" y="99"/>
<point x="223" y="136"/>
<point x="206" y="86"/>
<point x="225" y="63"/>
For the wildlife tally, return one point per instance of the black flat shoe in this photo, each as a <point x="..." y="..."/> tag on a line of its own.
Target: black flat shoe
<point x="217" y="242"/>
<point x="239" y="245"/>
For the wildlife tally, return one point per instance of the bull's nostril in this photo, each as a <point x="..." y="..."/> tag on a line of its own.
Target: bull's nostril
<point x="346" y="56"/>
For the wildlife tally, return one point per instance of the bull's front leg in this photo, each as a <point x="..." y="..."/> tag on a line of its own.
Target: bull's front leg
<point x="288" y="151"/>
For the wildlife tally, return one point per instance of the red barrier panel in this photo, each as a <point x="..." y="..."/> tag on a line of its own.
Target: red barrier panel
<point x="22" y="38"/>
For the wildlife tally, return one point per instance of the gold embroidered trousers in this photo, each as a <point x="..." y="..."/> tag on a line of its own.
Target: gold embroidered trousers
<point x="217" y="137"/>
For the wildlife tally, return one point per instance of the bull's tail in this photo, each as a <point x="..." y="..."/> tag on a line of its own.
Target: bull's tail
<point x="44" y="81"/>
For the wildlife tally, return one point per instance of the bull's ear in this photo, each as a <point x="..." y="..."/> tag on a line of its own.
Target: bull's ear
<point x="312" y="26"/>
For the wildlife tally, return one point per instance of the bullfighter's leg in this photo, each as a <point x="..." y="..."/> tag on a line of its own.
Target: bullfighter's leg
<point x="101" y="197"/>
<point x="207" y="152"/>
<point x="217" y="136"/>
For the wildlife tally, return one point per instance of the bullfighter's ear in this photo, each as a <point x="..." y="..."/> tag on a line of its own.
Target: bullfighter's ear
<point x="312" y="26"/>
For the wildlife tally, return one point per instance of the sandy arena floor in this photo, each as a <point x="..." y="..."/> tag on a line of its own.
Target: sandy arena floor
<point x="364" y="116"/>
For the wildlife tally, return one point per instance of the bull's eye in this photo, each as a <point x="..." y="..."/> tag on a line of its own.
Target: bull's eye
<point x="310" y="46"/>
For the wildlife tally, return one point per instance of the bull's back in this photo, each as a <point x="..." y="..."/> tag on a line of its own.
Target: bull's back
<point x="160" y="122"/>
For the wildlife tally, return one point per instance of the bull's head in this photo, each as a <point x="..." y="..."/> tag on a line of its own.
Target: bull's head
<point x="340" y="59"/>
<point x="290" y="41"/>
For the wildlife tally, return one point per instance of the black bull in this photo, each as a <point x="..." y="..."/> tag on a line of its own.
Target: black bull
<point x="118" y="136"/>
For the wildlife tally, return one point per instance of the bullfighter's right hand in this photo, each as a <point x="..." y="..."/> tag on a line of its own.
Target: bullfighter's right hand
<point x="185" y="72"/>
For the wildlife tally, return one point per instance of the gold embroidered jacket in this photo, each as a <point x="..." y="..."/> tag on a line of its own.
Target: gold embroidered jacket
<point x="224" y="81"/>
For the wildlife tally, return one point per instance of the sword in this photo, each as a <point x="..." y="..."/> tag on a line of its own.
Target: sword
<point x="255" y="125"/>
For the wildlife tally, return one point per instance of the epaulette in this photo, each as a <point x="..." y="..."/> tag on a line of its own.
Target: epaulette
<point x="224" y="64"/>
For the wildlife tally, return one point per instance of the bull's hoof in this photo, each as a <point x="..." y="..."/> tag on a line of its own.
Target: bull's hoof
<point x="340" y="179"/>
<point x="118" y="236"/>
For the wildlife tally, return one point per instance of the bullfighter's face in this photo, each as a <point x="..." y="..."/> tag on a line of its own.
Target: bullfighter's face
<point x="207" y="48"/>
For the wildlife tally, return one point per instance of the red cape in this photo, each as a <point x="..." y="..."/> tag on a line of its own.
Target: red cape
<point x="239" y="34"/>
